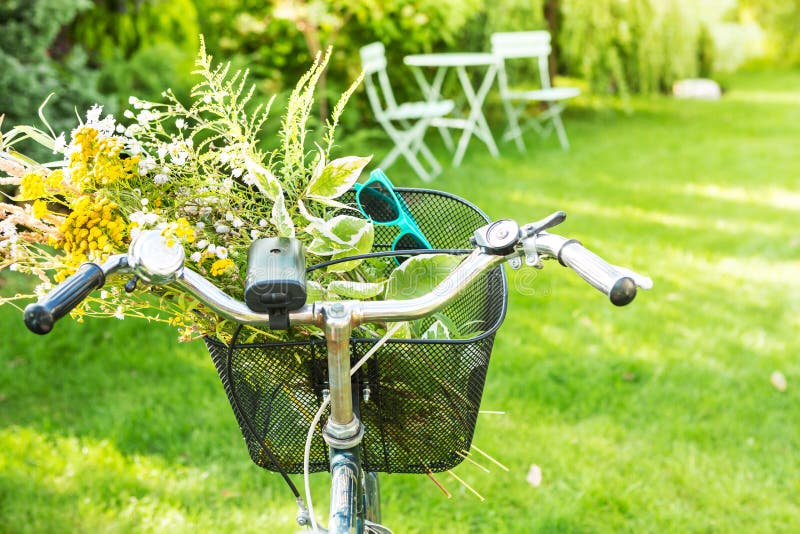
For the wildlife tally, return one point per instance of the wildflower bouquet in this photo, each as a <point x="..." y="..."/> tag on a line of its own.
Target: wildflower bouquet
<point x="198" y="174"/>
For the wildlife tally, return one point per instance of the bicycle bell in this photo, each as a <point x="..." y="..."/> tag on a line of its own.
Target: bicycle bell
<point x="153" y="259"/>
<point x="500" y="237"/>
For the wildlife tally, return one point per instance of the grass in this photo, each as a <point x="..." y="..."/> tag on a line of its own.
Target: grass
<point x="658" y="417"/>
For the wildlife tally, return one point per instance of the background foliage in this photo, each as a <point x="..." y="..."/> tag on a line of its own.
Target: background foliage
<point x="35" y="61"/>
<point x="104" y="50"/>
<point x="139" y="46"/>
<point x="638" y="46"/>
<point x="781" y="19"/>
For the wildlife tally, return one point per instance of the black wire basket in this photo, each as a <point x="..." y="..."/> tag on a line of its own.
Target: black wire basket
<point x="424" y="395"/>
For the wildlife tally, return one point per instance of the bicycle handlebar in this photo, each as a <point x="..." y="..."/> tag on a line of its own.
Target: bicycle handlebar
<point x="39" y="317"/>
<point x="617" y="283"/>
<point x="530" y="242"/>
<point x="620" y="289"/>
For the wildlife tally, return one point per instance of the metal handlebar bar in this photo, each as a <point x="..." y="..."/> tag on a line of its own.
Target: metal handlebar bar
<point x="497" y="243"/>
<point x="618" y="283"/>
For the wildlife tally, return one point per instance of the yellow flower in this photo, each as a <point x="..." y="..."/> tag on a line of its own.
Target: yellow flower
<point x="39" y="209"/>
<point x="184" y="230"/>
<point x="100" y="161"/>
<point x="220" y="267"/>
<point x="32" y="186"/>
<point x="86" y="137"/>
<point x="91" y="232"/>
<point x="181" y="230"/>
<point x="54" y="181"/>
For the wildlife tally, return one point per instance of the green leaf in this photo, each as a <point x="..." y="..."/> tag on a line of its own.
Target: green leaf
<point x="340" y="237"/>
<point x="418" y="275"/>
<point x="307" y="215"/>
<point x="404" y="332"/>
<point x="281" y="218"/>
<point x="321" y="247"/>
<point x="438" y="330"/>
<point x="265" y="181"/>
<point x="314" y="291"/>
<point x="333" y="204"/>
<point x="448" y="324"/>
<point x="343" y="231"/>
<point x="362" y="246"/>
<point x="33" y="133"/>
<point x="355" y="290"/>
<point x="345" y="266"/>
<point x="353" y="231"/>
<point x="337" y="177"/>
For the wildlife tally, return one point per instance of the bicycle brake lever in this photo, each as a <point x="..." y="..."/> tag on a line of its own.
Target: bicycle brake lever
<point x="540" y="226"/>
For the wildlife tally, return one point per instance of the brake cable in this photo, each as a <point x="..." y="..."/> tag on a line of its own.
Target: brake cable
<point x="390" y="253"/>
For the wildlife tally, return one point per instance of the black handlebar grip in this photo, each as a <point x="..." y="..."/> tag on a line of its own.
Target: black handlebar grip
<point x="620" y="288"/>
<point x="39" y="317"/>
<point x="623" y="291"/>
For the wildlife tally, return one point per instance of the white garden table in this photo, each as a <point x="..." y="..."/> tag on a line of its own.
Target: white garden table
<point x="475" y="122"/>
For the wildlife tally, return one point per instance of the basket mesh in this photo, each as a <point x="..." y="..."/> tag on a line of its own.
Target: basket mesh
<point x="424" y="394"/>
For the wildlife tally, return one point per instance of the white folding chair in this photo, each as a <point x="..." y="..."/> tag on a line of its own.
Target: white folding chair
<point x="531" y="45"/>
<point x="405" y="123"/>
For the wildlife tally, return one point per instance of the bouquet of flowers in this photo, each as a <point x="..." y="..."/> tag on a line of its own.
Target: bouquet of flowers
<point x="197" y="173"/>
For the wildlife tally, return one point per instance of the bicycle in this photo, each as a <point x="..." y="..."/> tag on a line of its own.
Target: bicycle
<point x="349" y="433"/>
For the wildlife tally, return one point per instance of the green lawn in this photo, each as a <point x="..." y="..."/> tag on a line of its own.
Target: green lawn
<point x="658" y="417"/>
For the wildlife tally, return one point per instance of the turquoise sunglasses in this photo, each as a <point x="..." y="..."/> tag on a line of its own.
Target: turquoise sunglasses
<point x="378" y="201"/>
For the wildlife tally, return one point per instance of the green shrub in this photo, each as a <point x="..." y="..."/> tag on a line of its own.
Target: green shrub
<point x="501" y="16"/>
<point x="36" y="61"/>
<point x="630" y="46"/>
<point x="140" y="46"/>
<point x="781" y="20"/>
<point x="705" y="52"/>
<point x="277" y="39"/>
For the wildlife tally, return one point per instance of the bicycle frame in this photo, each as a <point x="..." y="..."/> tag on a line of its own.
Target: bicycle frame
<point x="354" y="494"/>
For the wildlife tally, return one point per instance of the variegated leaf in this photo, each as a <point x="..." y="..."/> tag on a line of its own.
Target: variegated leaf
<point x="281" y="218"/>
<point x="265" y="181"/>
<point x="314" y="291"/>
<point x="418" y="275"/>
<point x="438" y="330"/>
<point x="307" y="215"/>
<point x="333" y="203"/>
<point x="337" y="177"/>
<point x="343" y="230"/>
<point x="355" y="290"/>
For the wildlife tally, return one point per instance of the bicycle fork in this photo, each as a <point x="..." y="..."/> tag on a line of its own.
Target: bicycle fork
<point x="345" y="484"/>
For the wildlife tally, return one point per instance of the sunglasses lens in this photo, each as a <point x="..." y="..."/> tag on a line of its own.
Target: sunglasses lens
<point x="408" y="242"/>
<point x="378" y="203"/>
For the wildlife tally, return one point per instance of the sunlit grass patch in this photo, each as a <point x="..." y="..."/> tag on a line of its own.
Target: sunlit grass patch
<point x="90" y="485"/>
